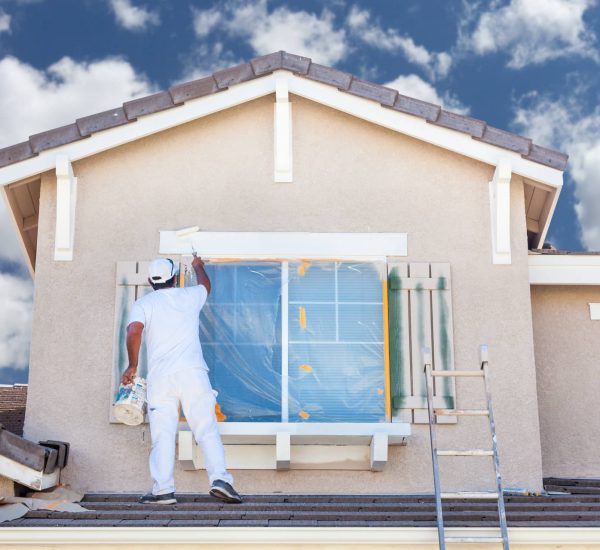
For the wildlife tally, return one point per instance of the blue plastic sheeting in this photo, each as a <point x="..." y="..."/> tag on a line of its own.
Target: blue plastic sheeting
<point x="333" y="344"/>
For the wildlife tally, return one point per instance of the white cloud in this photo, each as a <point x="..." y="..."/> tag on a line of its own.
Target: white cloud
<point x="532" y="31"/>
<point x="133" y="18"/>
<point x="16" y="296"/>
<point x="33" y="100"/>
<point x="4" y="21"/>
<point x="205" y="21"/>
<point x="563" y="125"/>
<point x="435" y="64"/>
<point x="298" y="32"/>
<point x="413" y="85"/>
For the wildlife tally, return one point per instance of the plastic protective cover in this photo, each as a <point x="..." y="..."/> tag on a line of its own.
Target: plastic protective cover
<point x="295" y="341"/>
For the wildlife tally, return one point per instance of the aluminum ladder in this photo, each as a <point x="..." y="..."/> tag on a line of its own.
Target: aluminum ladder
<point x="482" y="372"/>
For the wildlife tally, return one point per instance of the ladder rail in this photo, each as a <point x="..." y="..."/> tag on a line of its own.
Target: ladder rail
<point x="434" y="455"/>
<point x="496" y="459"/>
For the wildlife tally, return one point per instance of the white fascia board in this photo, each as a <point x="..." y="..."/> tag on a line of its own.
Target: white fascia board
<point x="544" y="230"/>
<point x="356" y="537"/>
<point x="144" y="126"/>
<point x="365" y="109"/>
<point x="286" y="245"/>
<point x="572" y="269"/>
<point x="419" y="128"/>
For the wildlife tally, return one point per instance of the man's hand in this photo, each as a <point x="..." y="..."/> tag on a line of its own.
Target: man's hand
<point x="197" y="261"/>
<point x="128" y="376"/>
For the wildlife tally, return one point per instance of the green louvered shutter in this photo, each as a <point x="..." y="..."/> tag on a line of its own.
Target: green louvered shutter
<point x="420" y="315"/>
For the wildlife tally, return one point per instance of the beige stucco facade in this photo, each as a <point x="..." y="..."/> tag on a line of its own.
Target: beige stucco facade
<point x="567" y="350"/>
<point x="349" y="176"/>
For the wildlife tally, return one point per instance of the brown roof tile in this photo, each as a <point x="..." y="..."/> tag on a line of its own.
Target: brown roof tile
<point x="416" y="107"/>
<point x="181" y="93"/>
<point x="148" y="105"/>
<point x="461" y="123"/>
<point x="295" y="63"/>
<point x="376" y="92"/>
<point x="549" y="157"/>
<point x="327" y="75"/>
<point x="55" y="137"/>
<point x="101" y="121"/>
<point x="195" y="510"/>
<point x="15" y="153"/>
<point x="267" y="63"/>
<point x="12" y="407"/>
<point x="506" y="140"/>
<point x="234" y="75"/>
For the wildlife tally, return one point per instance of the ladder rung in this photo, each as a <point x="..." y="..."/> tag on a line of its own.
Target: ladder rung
<point x="466" y="452"/>
<point x="462" y="412"/>
<point x="449" y="373"/>
<point x="466" y="494"/>
<point x="473" y="539"/>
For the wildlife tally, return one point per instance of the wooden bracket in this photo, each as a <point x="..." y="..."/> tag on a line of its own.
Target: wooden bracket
<point x="66" y="198"/>
<point x="379" y="452"/>
<point x="283" y="450"/>
<point x="283" y="132"/>
<point x="500" y="213"/>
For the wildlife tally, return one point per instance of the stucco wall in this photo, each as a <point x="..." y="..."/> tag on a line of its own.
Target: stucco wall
<point x="567" y="354"/>
<point x="217" y="173"/>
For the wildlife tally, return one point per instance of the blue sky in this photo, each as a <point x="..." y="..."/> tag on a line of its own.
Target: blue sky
<point x="530" y="66"/>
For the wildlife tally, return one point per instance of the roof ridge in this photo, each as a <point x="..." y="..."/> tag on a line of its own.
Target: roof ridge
<point x="178" y="94"/>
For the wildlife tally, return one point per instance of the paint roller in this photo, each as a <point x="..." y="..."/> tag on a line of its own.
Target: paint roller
<point x="186" y="232"/>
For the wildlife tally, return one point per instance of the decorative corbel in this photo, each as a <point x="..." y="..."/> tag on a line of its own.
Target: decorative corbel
<point x="283" y="132"/>
<point x="500" y="213"/>
<point x="66" y="198"/>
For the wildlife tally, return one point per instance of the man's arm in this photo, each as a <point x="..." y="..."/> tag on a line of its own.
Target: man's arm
<point x="201" y="275"/>
<point x="134" y="342"/>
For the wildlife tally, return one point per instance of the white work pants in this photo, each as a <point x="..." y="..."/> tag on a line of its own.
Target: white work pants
<point x="192" y="388"/>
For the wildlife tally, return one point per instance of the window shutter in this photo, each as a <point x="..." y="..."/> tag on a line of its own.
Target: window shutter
<point x="420" y="315"/>
<point x="131" y="283"/>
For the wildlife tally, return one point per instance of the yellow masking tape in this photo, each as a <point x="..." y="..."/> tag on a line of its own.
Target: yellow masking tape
<point x="219" y="414"/>
<point x="306" y="368"/>
<point x="303" y="414"/>
<point x="302" y="317"/>
<point x="303" y="267"/>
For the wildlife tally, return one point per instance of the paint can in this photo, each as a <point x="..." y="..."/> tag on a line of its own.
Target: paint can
<point x="130" y="404"/>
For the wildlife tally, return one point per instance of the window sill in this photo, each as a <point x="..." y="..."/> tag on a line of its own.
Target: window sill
<point x="289" y="446"/>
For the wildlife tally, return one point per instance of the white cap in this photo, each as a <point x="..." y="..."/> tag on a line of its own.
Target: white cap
<point x="161" y="270"/>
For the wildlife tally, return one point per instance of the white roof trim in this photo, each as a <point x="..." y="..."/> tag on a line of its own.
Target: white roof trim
<point x="567" y="269"/>
<point x="247" y="91"/>
<point x="357" y="537"/>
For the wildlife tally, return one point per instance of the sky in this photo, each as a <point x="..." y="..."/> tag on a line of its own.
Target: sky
<point x="528" y="66"/>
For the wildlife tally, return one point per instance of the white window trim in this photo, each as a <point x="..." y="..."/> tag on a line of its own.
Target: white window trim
<point x="299" y="445"/>
<point x="285" y="245"/>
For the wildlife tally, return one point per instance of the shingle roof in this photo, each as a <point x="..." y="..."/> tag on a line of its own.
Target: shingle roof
<point x="12" y="407"/>
<point x="122" y="510"/>
<point x="260" y="66"/>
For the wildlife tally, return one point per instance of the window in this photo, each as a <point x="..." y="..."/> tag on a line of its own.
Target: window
<point x="296" y="341"/>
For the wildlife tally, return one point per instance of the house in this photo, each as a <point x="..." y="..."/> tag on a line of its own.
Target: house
<point x="347" y="228"/>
